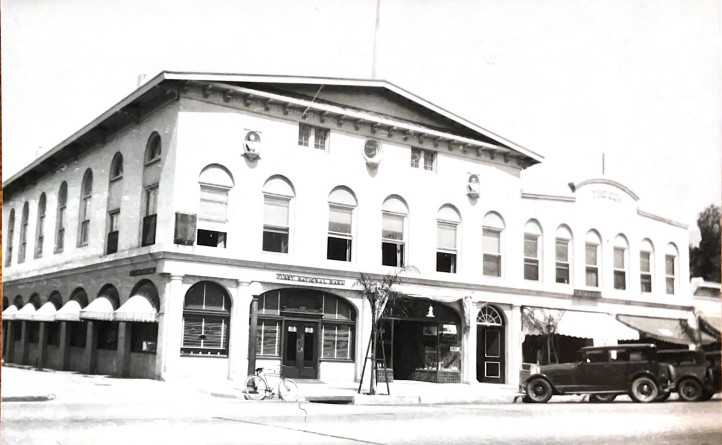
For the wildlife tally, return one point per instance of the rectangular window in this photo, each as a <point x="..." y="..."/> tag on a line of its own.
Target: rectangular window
<point x="270" y="303"/>
<point x="211" y="238"/>
<point x="112" y="241"/>
<point x="310" y="136"/>
<point x="446" y="247"/>
<point x="205" y="335"/>
<point x="620" y="271"/>
<point x="23" y="239"/>
<point x="340" y="220"/>
<point x="337" y="342"/>
<point x="392" y="239"/>
<point x="143" y="337"/>
<point x="150" y="218"/>
<point x="491" y="246"/>
<point x="84" y="220"/>
<point x="40" y="235"/>
<point x="267" y="338"/>
<point x="531" y="257"/>
<point x="562" y="261"/>
<point x="60" y="231"/>
<point x="645" y="271"/>
<point x="425" y="159"/>
<point x="592" y="265"/>
<point x="669" y="271"/>
<point x="275" y="224"/>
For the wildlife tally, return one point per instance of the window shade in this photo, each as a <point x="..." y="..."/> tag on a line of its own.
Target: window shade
<point x="446" y="236"/>
<point x="275" y="212"/>
<point x="491" y="241"/>
<point x="340" y="219"/>
<point x="392" y="227"/>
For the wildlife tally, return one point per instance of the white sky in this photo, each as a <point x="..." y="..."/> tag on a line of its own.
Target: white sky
<point x="569" y="79"/>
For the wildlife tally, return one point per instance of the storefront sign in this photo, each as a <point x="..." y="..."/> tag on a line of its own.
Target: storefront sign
<point x="582" y="293"/>
<point x="146" y="271"/>
<point x="313" y="280"/>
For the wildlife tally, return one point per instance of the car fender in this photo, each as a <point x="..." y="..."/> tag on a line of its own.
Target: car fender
<point x="543" y="376"/>
<point x="643" y="373"/>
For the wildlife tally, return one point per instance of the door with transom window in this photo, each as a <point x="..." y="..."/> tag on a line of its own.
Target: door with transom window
<point x="490" y="351"/>
<point x="300" y="355"/>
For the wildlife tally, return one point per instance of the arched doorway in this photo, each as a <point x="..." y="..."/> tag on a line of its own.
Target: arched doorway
<point x="490" y="351"/>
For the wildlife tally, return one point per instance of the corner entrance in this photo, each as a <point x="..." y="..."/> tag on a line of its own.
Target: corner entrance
<point x="490" y="351"/>
<point x="300" y="358"/>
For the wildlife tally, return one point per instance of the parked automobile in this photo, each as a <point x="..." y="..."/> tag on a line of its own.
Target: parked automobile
<point x="694" y="375"/>
<point x="604" y="372"/>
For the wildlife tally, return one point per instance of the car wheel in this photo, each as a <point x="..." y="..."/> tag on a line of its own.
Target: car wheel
<point x="706" y="396"/>
<point x="602" y="398"/>
<point x="539" y="390"/>
<point x="662" y="396"/>
<point x="690" y="390"/>
<point x="643" y="390"/>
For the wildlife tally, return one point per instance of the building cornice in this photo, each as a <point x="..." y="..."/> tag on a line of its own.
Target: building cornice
<point x="661" y="219"/>
<point x="545" y="197"/>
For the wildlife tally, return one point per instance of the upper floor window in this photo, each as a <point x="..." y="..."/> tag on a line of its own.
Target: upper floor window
<point x="116" y="167"/>
<point x="153" y="148"/>
<point x="425" y="159"/>
<point x="9" y="240"/>
<point x="86" y="196"/>
<point x="24" y="232"/>
<point x="621" y="249"/>
<point x="646" y="262"/>
<point x="532" y="250"/>
<point x="215" y="182"/>
<point x="60" y="217"/>
<point x="310" y="136"/>
<point x="563" y="250"/>
<point x="278" y="196"/>
<point x="447" y="225"/>
<point x="341" y="205"/>
<point x="492" y="242"/>
<point x="40" y="228"/>
<point x="592" y="258"/>
<point x="150" y="218"/>
<point x="394" y="217"/>
<point x="670" y="268"/>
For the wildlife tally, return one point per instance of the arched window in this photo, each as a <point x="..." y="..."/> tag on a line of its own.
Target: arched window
<point x="646" y="265"/>
<point x="394" y="223"/>
<point x="116" y="167"/>
<point x="621" y="260"/>
<point x="40" y="227"/>
<point x="592" y="258"/>
<point x="532" y="250"/>
<point x="489" y="316"/>
<point x="492" y="242"/>
<point x="149" y="199"/>
<point x="206" y="320"/>
<point x="341" y="206"/>
<point x="60" y="217"/>
<point x="24" y="232"/>
<point x="215" y="182"/>
<point x="671" y="264"/>
<point x="86" y="196"/>
<point x="563" y="254"/>
<point x="9" y="240"/>
<point x="447" y="227"/>
<point x="153" y="148"/>
<point x="278" y="197"/>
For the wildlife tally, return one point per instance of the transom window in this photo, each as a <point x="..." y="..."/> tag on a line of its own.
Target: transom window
<point x="621" y="248"/>
<point x="592" y="258"/>
<point x="423" y="159"/>
<point x="492" y="237"/>
<point x="532" y="251"/>
<point x="645" y="266"/>
<point x="310" y="136"/>
<point x="206" y="320"/>
<point x="489" y="316"/>
<point x="153" y="148"/>
<point x="116" y="167"/>
<point x="563" y="249"/>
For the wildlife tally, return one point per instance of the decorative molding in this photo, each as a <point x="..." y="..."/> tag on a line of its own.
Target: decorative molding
<point x="528" y="195"/>
<point x="661" y="219"/>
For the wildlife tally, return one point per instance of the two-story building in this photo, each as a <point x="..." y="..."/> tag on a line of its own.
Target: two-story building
<point x="137" y="246"/>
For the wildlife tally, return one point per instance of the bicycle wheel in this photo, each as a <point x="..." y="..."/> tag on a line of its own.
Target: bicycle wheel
<point x="288" y="390"/>
<point x="255" y="388"/>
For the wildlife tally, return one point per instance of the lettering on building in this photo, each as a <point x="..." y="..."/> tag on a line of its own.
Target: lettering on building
<point x="604" y="194"/>
<point x="146" y="271"/>
<point x="312" y="280"/>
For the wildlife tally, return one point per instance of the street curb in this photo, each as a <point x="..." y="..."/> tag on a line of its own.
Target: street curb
<point x="43" y="398"/>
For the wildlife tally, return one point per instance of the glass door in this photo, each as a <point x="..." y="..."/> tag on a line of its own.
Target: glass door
<point x="300" y="351"/>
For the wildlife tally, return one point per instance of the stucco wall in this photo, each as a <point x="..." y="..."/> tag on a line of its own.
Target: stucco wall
<point x="142" y="365"/>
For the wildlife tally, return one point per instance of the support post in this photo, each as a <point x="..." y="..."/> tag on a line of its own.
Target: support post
<point x="90" y="355"/>
<point x="24" y="334"/>
<point x="10" y="352"/>
<point x="65" y="345"/>
<point x="252" y="335"/>
<point x="122" y="354"/>
<point x="42" y="344"/>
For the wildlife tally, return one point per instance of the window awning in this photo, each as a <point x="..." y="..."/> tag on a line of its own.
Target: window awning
<point x="595" y="325"/>
<point x="99" y="309"/>
<point x="137" y="308"/>
<point x="26" y="312"/>
<point x="711" y="325"/>
<point x="671" y="330"/>
<point x="45" y="313"/>
<point x="69" y="312"/>
<point x="9" y="313"/>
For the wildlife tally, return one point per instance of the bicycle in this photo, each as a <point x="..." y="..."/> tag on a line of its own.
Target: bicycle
<point x="257" y="387"/>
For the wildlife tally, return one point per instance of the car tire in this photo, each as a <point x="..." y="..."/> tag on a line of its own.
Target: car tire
<point x="663" y="395"/>
<point x="643" y="390"/>
<point x="706" y="396"/>
<point x="690" y="390"/>
<point x="539" y="390"/>
<point x="602" y="398"/>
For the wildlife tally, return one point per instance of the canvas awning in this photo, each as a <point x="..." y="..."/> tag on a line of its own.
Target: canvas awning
<point x="137" y="308"/>
<point x="595" y="325"/>
<point x="671" y="330"/>
<point x="99" y="309"/>
<point x="9" y="313"/>
<point x="26" y="312"/>
<point x="45" y="313"/>
<point x="711" y="325"/>
<point x="69" y="312"/>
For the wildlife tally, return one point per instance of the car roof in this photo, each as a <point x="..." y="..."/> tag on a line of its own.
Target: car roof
<point x="629" y="346"/>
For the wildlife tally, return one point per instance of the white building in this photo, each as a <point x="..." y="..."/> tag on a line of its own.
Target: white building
<point x="136" y="246"/>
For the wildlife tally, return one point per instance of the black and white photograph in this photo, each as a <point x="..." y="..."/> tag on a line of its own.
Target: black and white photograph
<point x="361" y="222"/>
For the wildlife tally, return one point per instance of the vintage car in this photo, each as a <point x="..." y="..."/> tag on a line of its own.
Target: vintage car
<point x="694" y="374"/>
<point x="604" y="372"/>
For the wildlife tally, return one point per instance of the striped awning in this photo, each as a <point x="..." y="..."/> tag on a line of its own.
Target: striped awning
<point x="9" y="313"/>
<point x="579" y="324"/>
<point x="137" y="308"/>
<point x="99" y="309"/>
<point x="671" y="330"/>
<point x="26" y="312"/>
<point x="711" y="325"/>
<point x="45" y="313"/>
<point x="69" y="312"/>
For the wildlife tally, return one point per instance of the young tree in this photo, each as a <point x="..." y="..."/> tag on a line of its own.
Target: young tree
<point x="545" y="322"/>
<point x="704" y="260"/>
<point x="382" y="295"/>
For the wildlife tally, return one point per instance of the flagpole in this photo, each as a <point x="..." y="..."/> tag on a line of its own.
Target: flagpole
<point x="376" y="32"/>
